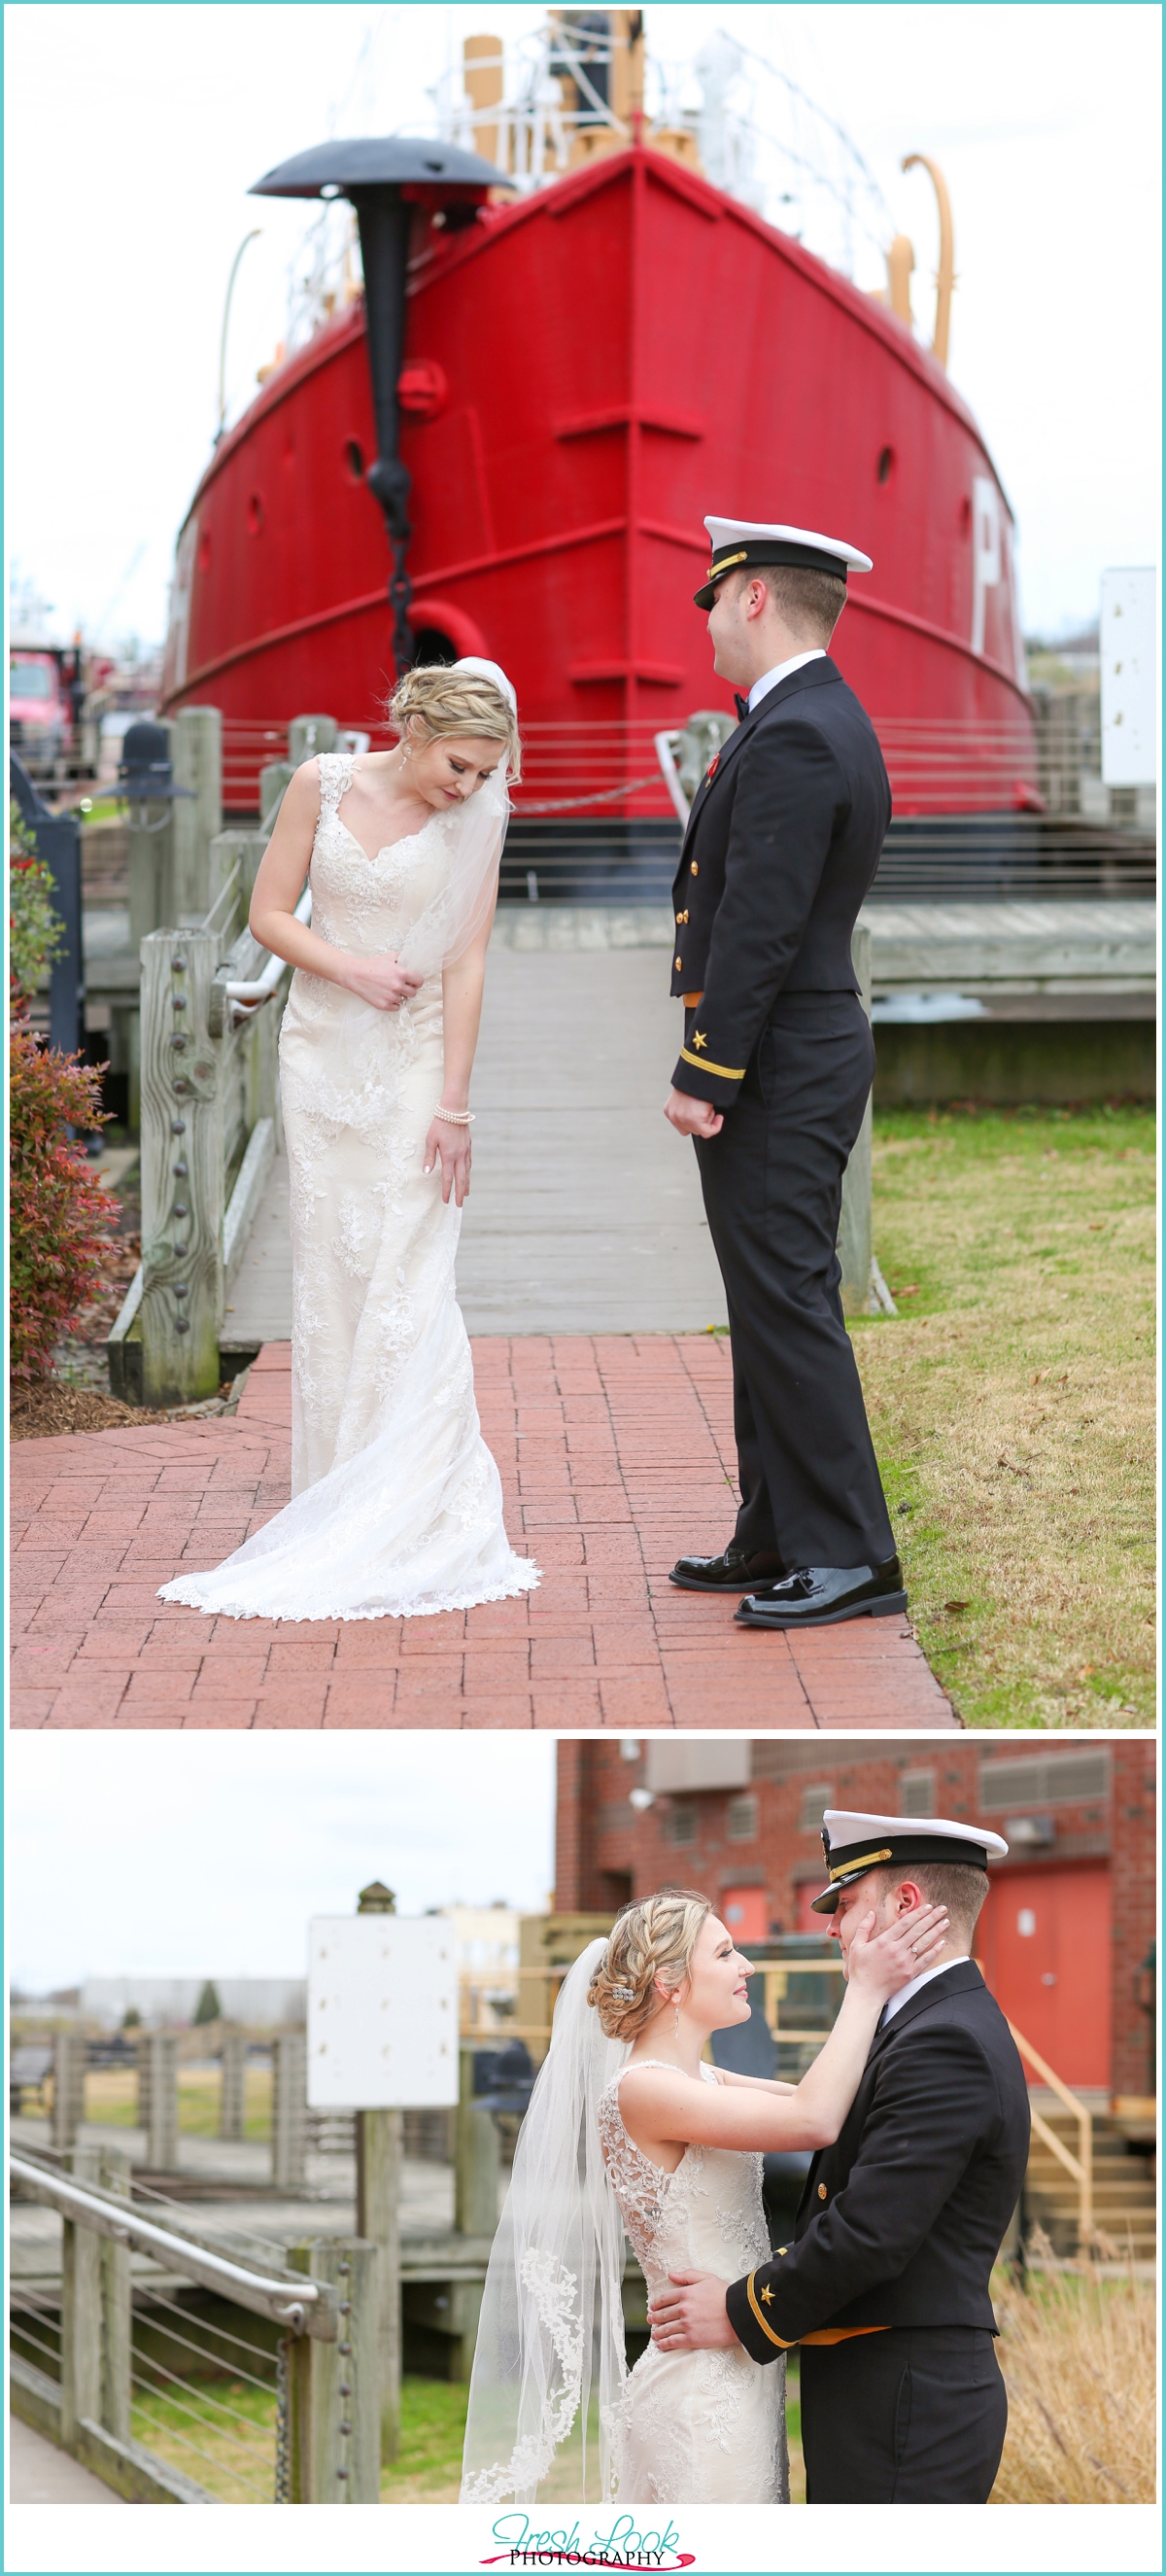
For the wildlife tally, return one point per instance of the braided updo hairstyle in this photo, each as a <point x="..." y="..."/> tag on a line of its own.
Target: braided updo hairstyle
<point x="463" y="704"/>
<point x="654" y="1938"/>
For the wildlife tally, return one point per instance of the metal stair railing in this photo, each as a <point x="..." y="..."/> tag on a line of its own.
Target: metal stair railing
<point x="1079" y="2166"/>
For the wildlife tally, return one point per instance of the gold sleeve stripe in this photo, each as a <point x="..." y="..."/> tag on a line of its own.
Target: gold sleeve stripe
<point x="766" y="2328"/>
<point x="728" y="1072"/>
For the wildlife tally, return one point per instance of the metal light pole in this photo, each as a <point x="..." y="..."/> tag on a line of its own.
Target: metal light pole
<point x="247" y="237"/>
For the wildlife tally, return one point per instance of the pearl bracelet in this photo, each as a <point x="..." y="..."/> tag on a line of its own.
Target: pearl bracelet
<point x="456" y="1117"/>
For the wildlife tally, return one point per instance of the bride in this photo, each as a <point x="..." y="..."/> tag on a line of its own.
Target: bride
<point x="629" y="2128"/>
<point x="397" y="1502"/>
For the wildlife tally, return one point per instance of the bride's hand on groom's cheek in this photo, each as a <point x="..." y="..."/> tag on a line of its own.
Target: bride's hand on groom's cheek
<point x="690" y="2315"/>
<point x="880" y="1963"/>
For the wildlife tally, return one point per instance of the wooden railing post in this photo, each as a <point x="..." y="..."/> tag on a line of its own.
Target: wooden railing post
<point x="151" y="862"/>
<point x="232" y="2094"/>
<point x="855" y="1229"/>
<point x="233" y="855"/>
<point x="158" y="2098"/>
<point x="80" y="2312"/>
<point x="182" y="1170"/>
<point x="378" y="2220"/>
<point x="334" y="2398"/>
<point x="196" y="751"/>
<point x="306" y="735"/>
<point x="476" y="2159"/>
<point x="68" y="2088"/>
<point x="289" y="2110"/>
<point x="116" y="2305"/>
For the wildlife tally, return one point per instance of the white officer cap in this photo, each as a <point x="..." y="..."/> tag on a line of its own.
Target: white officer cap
<point x="854" y="1844"/>
<point x="736" y="542"/>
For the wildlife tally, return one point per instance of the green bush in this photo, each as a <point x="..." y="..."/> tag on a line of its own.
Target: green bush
<point x="35" y="932"/>
<point x="59" y="1218"/>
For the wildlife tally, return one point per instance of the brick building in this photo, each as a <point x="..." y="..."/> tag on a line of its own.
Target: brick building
<point x="1066" y="1936"/>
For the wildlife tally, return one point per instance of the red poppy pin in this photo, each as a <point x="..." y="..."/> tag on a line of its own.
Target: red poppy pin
<point x="714" y="765"/>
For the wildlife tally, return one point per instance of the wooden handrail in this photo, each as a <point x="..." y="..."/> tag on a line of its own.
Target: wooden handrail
<point x="1081" y="2165"/>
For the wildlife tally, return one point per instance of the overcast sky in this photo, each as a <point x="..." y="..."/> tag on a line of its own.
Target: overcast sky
<point x="135" y="131"/>
<point x="205" y="1855"/>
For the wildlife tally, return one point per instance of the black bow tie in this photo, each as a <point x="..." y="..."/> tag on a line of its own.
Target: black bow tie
<point x="742" y="707"/>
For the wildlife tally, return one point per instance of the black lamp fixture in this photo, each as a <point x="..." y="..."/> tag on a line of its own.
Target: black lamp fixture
<point x="384" y="177"/>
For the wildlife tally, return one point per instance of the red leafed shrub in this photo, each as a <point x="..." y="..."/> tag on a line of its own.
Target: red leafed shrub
<point x="58" y="1238"/>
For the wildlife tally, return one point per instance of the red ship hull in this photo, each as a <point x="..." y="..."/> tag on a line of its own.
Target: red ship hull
<point x="595" y="368"/>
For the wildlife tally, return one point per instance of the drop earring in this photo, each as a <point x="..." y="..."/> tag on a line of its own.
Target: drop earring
<point x="675" y="2018"/>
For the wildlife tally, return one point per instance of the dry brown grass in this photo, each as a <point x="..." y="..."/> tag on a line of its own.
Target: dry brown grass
<point x="1077" y="2350"/>
<point x="1012" y="1405"/>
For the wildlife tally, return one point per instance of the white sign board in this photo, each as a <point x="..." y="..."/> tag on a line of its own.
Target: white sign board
<point x="1129" y="694"/>
<point x="382" y="2013"/>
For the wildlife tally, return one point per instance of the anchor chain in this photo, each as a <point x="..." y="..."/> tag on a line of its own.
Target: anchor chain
<point x="344" y="2386"/>
<point x="282" y="2422"/>
<point x="400" y="595"/>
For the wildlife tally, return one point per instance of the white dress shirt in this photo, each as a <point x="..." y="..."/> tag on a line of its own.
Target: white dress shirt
<point x="905" y="1992"/>
<point x="781" y="671"/>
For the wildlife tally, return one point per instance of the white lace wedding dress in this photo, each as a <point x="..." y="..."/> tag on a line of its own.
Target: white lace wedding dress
<point x="397" y="1502"/>
<point x="699" y="2427"/>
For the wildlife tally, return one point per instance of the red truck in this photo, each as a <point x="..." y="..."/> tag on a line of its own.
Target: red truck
<point x="54" y="708"/>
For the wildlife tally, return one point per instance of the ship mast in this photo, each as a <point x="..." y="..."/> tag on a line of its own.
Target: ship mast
<point x="386" y="178"/>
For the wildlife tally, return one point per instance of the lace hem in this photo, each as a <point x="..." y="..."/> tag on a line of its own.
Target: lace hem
<point x="188" y="1592"/>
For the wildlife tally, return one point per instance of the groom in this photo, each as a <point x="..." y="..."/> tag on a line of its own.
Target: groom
<point x="776" y="1067"/>
<point x="885" y="2285"/>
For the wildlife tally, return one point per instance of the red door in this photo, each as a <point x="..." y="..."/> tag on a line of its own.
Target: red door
<point x="807" y="1889"/>
<point x="744" y="1911"/>
<point x="1044" y="1944"/>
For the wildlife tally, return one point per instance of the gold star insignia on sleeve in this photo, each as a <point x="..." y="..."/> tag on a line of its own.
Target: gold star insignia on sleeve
<point x="767" y="2295"/>
<point x="698" y="1039"/>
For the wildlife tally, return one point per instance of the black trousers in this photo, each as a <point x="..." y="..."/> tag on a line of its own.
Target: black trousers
<point x="772" y="1184"/>
<point x="913" y="2416"/>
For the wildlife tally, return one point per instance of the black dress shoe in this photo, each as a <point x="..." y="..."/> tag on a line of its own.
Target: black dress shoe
<point x="819" y="1596"/>
<point x="725" y="1573"/>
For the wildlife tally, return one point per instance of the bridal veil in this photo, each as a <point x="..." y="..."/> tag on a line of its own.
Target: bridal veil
<point x="550" y="2366"/>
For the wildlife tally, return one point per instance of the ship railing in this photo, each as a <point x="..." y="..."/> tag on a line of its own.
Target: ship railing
<point x="182" y="2368"/>
<point x="942" y="766"/>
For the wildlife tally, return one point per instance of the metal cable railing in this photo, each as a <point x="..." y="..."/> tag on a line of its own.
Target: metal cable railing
<point x="238" y="2450"/>
<point x="141" y="2375"/>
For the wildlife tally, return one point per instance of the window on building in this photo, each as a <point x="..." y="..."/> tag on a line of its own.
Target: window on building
<point x="682" y="1822"/>
<point x="1045" y="1780"/>
<point x="819" y="1795"/>
<point x="741" y="1820"/>
<point x="917" y="1793"/>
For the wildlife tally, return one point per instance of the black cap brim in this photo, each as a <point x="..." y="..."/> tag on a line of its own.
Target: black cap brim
<point x="766" y="550"/>
<point x="848" y="1865"/>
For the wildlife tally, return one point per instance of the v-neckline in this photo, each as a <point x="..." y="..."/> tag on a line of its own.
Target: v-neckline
<point x="386" y="846"/>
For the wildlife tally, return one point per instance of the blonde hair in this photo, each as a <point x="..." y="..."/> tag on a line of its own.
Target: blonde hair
<point x="456" y="703"/>
<point x="654" y="1938"/>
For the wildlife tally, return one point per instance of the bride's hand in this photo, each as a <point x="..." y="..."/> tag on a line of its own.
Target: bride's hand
<point x="879" y="1966"/>
<point x="381" y="981"/>
<point x="451" y="1147"/>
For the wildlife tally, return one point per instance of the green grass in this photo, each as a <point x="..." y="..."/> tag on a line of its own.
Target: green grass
<point x="433" y="2427"/>
<point x="196" y="2429"/>
<point x="1012" y="1404"/>
<point x="111" y="2099"/>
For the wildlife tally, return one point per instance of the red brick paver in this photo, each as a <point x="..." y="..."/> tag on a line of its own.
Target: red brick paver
<point x="616" y="1454"/>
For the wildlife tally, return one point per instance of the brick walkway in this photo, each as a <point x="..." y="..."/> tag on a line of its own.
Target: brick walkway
<point x="616" y="1454"/>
